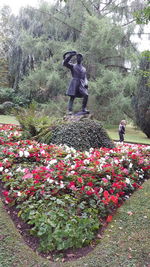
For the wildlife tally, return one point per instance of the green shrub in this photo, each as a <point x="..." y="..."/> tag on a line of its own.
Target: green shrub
<point x="81" y="135"/>
<point x="31" y="120"/>
<point x="6" y="94"/>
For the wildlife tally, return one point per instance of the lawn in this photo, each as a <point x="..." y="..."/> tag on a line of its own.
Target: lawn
<point x="8" y="119"/>
<point x="132" y="135"/>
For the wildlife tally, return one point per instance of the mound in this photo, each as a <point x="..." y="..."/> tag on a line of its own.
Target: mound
<point x="82" y="135"/>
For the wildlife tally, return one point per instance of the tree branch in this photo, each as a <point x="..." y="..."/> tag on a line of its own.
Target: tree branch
<point x="118" y="66"/>
<point x="102" y="59"/>
<point x="88" y="11"/>
<point x="128" y="23"/>
<point x="54" y="17"/>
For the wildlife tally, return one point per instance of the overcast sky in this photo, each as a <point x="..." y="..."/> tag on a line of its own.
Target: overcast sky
<point x="15" y="5"/>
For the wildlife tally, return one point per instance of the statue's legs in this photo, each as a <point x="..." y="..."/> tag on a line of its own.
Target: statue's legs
<point x="84" y="102"/>
<point x="70" y="103"/>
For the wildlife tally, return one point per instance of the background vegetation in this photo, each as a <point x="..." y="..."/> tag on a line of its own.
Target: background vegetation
<point x="33" y="42"/>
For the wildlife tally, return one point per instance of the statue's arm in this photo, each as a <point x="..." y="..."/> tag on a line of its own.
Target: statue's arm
<point x="66" y="61"/>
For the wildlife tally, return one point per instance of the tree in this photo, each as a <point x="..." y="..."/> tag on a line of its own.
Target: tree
<point x="141" y="99"/>
<point x="100" y="30"/>
<point x="143" y="16"/>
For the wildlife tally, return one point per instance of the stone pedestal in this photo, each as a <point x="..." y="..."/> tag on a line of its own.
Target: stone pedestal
<point x="78" y="116"/>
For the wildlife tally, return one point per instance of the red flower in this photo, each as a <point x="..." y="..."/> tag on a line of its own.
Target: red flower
<point x="5" y="193"/>
<point x="80" y="180"/>
<point x="106" y="194"/>
<point x="90" y="184"/>
<point x="89" y="192"/>
<point x="8" y="200"/>
<point x="114" y="199"/>
<point x="109" y="218"/>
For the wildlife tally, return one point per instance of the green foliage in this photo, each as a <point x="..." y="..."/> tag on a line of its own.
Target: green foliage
<point x="111" y="94"/>
<point x="143" y="16"/>
<point x="30" y="120"/>
<point x="60" y="213"/>
<point x="6" y="94"/>
<point x="82" y="135"/>
<point x="41" y="37"/>
<point x="141" y="99"/>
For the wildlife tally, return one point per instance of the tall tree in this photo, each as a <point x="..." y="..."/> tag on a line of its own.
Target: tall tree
<point x="141" y="99"/>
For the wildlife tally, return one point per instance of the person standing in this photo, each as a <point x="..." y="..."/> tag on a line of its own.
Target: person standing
<point x="79" y="85"/>
<point x="122" y="126"/>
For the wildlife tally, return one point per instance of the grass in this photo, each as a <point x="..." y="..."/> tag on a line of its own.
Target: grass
<point x="125" y="243"/>
<point x="8" y="119"/>
<point x="132" y="135"/>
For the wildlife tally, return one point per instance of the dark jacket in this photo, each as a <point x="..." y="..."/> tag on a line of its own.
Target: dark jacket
<point x="79" y="84"/>
<point x="121" y="129"/>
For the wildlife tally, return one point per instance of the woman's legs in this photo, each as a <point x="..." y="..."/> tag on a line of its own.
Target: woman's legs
<point x="121" y="136"/>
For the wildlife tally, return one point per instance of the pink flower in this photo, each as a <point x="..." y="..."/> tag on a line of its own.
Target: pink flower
<point x="104" y="180"/>
<point x="27" y="176"/>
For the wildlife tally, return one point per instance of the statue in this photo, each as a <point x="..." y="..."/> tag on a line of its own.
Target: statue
<point x="79" y="85"/>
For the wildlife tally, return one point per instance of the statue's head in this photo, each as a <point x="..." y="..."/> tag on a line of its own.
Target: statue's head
<point x="79" y="58"/>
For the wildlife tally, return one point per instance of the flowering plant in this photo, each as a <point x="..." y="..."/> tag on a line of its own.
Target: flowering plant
<point x="64" y="194"/>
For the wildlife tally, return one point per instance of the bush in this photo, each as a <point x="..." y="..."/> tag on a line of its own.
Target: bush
<point x="81" y="135"/>
<point x="6" y="94"/>
<point x="31" y="120"/>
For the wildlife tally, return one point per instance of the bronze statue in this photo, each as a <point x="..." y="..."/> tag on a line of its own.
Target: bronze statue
<point x="79" y="85"/>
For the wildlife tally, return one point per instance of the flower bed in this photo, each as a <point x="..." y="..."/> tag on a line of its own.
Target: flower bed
<point x="66" y="194"/>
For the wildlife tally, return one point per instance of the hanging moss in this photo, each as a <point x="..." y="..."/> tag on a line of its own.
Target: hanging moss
<point x="82" y="135"/>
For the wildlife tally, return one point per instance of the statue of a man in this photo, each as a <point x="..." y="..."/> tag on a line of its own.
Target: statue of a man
<point x="79" y="85"/>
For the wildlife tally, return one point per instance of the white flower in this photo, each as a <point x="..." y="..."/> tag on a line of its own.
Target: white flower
<point x="6" y="170"/>
<point x="108" y="177"/>
<point x="19" y="169"/>
<point x="101" y="190"/>
<point x="73" y="166"/>
<point x="86" y="161"/>
<point x="87" y="154"/>
<point x="72" y="173"/>
<point x="128" y="181"/>
<point x="42" y="152"/>
<point x="1" y="169"/>
<point x="26" y="154"/>
<point x="19" y="194"/>
<point x="68" y="156"/>
<point x="62" y="185"/>
<point x="116" y="161"/>
<point x="130" y="165"/>
<point x="53" y="161"/>
<point x="50" y="181"/>
<point x="21" y="153"/>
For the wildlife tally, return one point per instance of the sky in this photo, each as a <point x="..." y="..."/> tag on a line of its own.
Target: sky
<point x="142" y="43"/>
